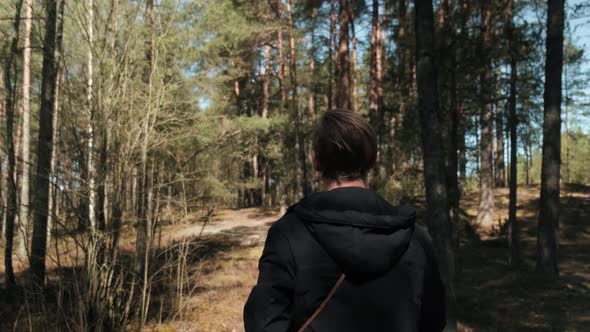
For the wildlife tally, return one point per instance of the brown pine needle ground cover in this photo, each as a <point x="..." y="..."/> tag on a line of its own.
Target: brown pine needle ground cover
<point x="491" y="296"/>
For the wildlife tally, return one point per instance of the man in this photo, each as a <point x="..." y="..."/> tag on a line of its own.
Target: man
<point x="345" y="259"/>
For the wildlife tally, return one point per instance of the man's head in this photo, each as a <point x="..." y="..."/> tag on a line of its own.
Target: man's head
<point x="344" y="146"/>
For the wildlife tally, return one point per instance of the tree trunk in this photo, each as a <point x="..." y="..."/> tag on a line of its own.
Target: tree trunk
<point x="282" y="60"/>
<point x="354" y="69"/>
<point x="375" y="81"/>
<point x="54" y="186"/>
<point x="405" y="81"/>
<point x="90" y="118"/>
<point x="2" y="175"/>
<point x="499" y="165"/>
<point x="266" y="82"/>
<point x="452" y="153"/>
<point x="143" y="221"/>
<point x="527" y="149"/>
<point x="434" y="160"/>
<point x="44" y="146"/>
<point x="265" y="103"/>
<point x="566" y="134"/>
<point x="315" y="179"/>
<point x="300" y="171"/>
<point x="513" y="222"/>
<point x="485" y="213"/>
<point x="547" y="242"/>
<point x="11" y="190"/>
<point x="331" y="48"/>
<point x="462" y="121"/>
<point x="23" y="207"/>
<point x="343" y="59"/>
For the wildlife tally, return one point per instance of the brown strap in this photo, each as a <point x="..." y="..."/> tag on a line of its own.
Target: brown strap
<point x="324" y="303"/>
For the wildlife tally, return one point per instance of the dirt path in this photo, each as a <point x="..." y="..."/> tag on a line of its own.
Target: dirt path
<point x="490" y="295"/>
<point x="227" y="221"/>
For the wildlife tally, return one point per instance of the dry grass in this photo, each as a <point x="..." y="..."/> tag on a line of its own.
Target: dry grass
<point x="491" y="296"/>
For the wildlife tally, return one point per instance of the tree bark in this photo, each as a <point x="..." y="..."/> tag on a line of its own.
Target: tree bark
<point x="90" y="118"/>
<point x="405" y="83"/>
<point x="343" y="59"/>
<point x="282" y="60"/>
<point x="54" y="186"/>
<point x="375" y="80"/>
<point x="513" y="222"/>
<point x="485" y="213"/>
<point x="315" y="179"/>
<point x="447" y="54"/>
<point x="2" y="175"/>
<point x="547" y="242"/>
<point x="434" y="158"/>
<point x="143" y="222"/>
<point x="11" y="190"/>
<point x="265" y="102"/>
<point x="354" y="68"/>
<point x="301" y="174"/>
<point x="44" y="146"/>
<point x="23" y="207"/>
<point x="499" y="164"/>
<point x="266" y="82"/>
<point x="331" y="48"/>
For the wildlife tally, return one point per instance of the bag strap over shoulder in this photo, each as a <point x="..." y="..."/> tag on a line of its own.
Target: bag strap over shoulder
<point x="323" y="304"/>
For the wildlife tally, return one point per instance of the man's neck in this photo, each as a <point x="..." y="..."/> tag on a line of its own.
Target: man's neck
<point x="342" y="184"/>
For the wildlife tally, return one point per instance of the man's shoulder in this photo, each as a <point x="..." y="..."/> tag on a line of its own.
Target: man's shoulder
<point x="287" y="223"/>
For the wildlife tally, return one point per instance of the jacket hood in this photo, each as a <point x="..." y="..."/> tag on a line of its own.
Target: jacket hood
<point x="361" y="231"/>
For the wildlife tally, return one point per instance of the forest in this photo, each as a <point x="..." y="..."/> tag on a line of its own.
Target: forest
<point x="147" y="145"/>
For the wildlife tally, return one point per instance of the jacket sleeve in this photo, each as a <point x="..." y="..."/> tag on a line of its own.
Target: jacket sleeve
<point x="434" y="310"/>
<point x="269" y="305"/>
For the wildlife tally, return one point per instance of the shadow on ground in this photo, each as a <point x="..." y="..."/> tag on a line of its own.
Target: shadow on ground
<point x="493" y="297"/>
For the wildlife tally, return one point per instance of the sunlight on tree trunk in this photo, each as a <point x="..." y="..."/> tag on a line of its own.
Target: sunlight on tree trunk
<point x="23" y="207"/>
<point x="485" y="212"/>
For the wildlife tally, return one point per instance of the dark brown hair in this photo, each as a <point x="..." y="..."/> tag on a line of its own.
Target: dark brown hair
<point x="344" y="145"/>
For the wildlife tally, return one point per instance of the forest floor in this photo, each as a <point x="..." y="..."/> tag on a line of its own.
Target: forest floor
<point x="221" y="268"/>
<point x="490" y="295"/>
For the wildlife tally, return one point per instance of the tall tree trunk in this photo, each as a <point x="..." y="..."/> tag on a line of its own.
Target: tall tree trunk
<point x="266" y="82"/>
<point x="343" y="59"/>
<point x="405" y="81"/>
<point x="143" y="221"/>
<point x="2" y="143"/>
<point x="331" y="48"/>
<point x="547" y="242"/>
<point x="485" y="213"/>
<point x="375" y="81"/>
<point x="90" y="118"/>
<point x="513" y="222"/>
<point x="354" y="68"/>
<point x="566" y="134"/>
<point x="300" y="171"/>
<point x="265" y="102"/>
<point x="315" y="179"/>
<point x="44" y="146"/>
<point x="54" y="186"/>
<point x="11" y="201"/>
<point x="23" y="207"/>
<point x="499" y="165"/>
<point x="462" y="121"/>
<point x="452" y="153"/>
<point x="282" y="60"/>
<point x="434" y="161"/>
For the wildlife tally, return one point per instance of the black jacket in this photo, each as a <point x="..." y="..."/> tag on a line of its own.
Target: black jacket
<point x="392" y="281"/>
